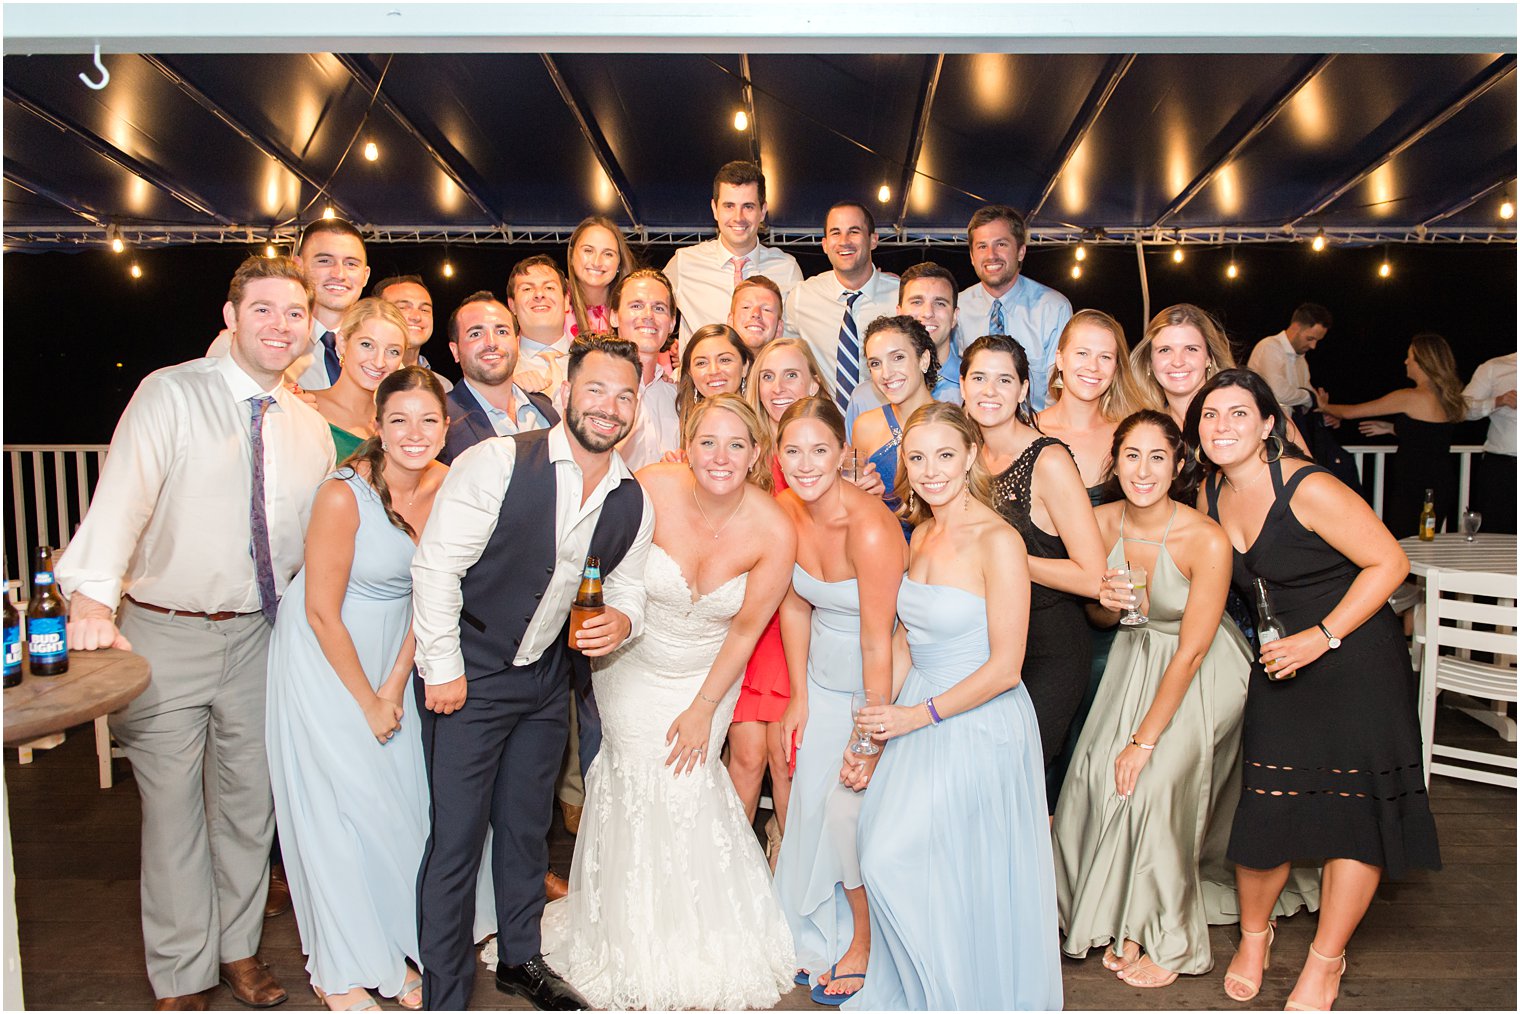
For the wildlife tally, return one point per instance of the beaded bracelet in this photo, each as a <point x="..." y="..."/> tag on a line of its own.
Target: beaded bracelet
<point x="1144" y="746"/>
<point x="934" y="718"/>
<point x="709" y="700"/>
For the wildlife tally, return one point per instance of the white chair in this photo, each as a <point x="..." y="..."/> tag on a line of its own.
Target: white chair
<point x="1450" y="615"/>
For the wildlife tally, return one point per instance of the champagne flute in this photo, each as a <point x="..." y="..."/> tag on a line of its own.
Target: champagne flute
<point x="1135" y="578"/>
<point x="859" y="701"/>
<point x="1471" y="522"/>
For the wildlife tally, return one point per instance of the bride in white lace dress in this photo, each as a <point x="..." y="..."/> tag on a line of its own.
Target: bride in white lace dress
<point x="670" y="902"/>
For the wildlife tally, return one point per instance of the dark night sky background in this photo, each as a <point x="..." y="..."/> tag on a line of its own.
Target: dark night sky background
<point x="70" y="318"/>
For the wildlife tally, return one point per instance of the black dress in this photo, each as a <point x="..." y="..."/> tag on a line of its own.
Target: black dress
<point x="1423" y="461"/>
<point x="1331" y="757"/>
<point x="1058" y="652"/>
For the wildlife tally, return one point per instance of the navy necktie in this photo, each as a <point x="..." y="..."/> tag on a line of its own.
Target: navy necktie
<point x="258" y="517"/>
<point x="330" y="356"/>
<point x="847" y="366"/>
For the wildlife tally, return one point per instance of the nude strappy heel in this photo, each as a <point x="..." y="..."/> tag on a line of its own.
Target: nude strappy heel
<point x="1341" y="957"/>
<point x="1266" y="962"/>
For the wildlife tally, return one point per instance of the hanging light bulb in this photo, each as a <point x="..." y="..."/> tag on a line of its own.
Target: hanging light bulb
<point x="1076" y="271"/>
<point x="135" y="270"/>
<point x="270" y="251"/>
<point x="1177" y="255"/>
<point x="329" y="213"/>
<point x="448" y="268"/>
<point x="884" y="194"/>
<point x="1385" y="269"/>
<point x="1507" y="209"/>
<point x="371" y="151"/>
<point x="1081" y="253"/>
<point x="741" y="120"/>
<point x="113" y="236"/>
<point x="1319" y="241"/>
<point x="1232" y="272"/>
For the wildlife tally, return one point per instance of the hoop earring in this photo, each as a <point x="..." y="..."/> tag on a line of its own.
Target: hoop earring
<point x="1197" y="455"/>
<point x="1281" y="447"/>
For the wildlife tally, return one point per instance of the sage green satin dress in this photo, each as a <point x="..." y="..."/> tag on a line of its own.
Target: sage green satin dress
<point x="1130" y="869"/>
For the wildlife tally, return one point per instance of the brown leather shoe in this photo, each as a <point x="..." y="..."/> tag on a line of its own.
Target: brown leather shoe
<point x="190" y="1001"/>
<point x="572" y="815"/>
<point x="555" y="886"/>
<point x="278" y="902"/>
<point x="251" y="983"/>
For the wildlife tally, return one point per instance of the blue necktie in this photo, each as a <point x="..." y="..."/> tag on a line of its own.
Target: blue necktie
<point x="995" y="322"/>
<point x="258" y="518"/>
<point x="330" y="356"/>
<point x="847" y="368"/>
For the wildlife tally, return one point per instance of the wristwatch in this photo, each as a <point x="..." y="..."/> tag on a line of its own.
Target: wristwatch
<point x="1335" y="642"/>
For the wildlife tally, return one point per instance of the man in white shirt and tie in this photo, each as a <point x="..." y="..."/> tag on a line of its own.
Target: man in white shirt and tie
<point x="1281" y="359"/>
<point x="1491" y="395"/>
<point x="830" y="311"/>
<point x="409" y="294"/>
<point x="1005" y="301"/>
<point x="705" y="275"/>
<point x="196" y="527"/>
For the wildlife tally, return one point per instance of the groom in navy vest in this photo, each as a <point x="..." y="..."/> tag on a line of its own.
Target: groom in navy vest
<point x="494" y="574"/>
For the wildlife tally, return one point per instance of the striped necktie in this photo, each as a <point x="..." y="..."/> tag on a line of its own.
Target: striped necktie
<point x="258" y="518"/>
<point x="995" y="322"/>
<point x="847" y="368"/>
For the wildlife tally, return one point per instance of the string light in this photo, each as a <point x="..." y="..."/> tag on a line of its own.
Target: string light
<point x="329" y="213"/>
<point x="884" y="194"/>
<point x="1177" y="255"/>
<point x="1507" y="209"/>
<point x="1076" y="271"/>
<point x="741" y="120"/>
<point x="270" y="251"/>
<point x="1081" y="254"/>
<point x="371" y="151"/>
<point x="1319" y="241"/>
<point x="1232" y="272"/>
<point x="448" y="269"/>
<point x="1385" y="269"/>
<point x="135" y="270"/>
<point x="113" y="234"/>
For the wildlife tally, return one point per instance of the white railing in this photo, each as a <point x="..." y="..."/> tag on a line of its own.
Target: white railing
<point x="51" y="486"/>
<point x="1379" y="455"/>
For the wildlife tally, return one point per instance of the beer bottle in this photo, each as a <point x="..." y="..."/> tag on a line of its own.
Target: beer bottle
<point x="12" y="643"/>
<point x="1268" y="627"/>
<point x="588" y="597"/>
<point x="1428" y="517"/>
<point x="47" y="620"/>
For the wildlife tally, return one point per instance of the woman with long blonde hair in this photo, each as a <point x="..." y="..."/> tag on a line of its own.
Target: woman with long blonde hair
<point x="1182" y="348"/>
<point x="1423" y="417"/>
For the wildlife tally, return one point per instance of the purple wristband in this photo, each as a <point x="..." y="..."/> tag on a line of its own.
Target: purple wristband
<point x="933" y="713"/>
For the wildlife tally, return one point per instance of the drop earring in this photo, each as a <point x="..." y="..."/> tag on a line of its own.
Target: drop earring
<point x="912" y="501"/>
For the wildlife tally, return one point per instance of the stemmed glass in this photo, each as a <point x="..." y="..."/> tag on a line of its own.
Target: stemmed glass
<point x="1471" y="522"/>
<point x="859" y="701"/>
<point x="1135" y="578"/>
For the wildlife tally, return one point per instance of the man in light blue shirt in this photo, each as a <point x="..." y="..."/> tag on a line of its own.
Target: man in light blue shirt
<point x="926" y="292"/>
<point x="1004" y="301"/>
<point x="486" y="403"/>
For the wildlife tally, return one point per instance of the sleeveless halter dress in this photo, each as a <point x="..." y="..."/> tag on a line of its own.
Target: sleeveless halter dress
<point x="885" y="460"/>
<point x="1331" y="758"/>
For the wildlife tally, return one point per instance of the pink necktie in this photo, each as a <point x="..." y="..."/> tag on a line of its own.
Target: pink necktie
<point x="738" y="263"/>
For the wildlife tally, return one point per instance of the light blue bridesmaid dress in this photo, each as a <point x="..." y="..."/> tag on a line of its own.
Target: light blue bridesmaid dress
<point x="818" y="859"/>
<point x="352" y="814"/>
<point x="954" y="838"/>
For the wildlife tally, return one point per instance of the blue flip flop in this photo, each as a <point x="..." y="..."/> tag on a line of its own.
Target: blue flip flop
<point x="836" y="999"/>
<point x="802" y="978"/>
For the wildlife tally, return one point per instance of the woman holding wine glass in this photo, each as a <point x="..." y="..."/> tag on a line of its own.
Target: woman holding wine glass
<point x="836" y="624"/>
<point x="1331" y="744"/>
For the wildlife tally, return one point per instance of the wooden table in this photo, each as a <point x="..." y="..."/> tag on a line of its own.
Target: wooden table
<point x="97" y="683"/>
<point x="1492" y="554"/>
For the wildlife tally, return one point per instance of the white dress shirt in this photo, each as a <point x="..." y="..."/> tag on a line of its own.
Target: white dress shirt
<point x="1284" y="370"/>
<point x="169" y="521"/>
<point x="1033" y="316"/>
<point x="1490" y="380"/>
<point x="703" y="277"/>
<point x="465" y="512"/>
<point x="656" y="424"/>
<point x="814" y="312"/>
<point x="310" y="368"/>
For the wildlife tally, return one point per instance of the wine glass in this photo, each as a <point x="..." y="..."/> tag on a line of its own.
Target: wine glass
<point x="859" y="701"/>
<point x="1135" y="578"/>
<point x="1471" y="522"/>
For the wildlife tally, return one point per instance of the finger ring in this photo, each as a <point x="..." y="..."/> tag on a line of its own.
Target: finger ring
<point x="881" y="728"/>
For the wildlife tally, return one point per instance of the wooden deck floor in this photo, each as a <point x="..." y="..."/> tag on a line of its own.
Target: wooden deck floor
<point x="1435" y="941"/>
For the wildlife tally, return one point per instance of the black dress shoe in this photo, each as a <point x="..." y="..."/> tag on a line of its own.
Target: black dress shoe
<point x="540" y="985"/>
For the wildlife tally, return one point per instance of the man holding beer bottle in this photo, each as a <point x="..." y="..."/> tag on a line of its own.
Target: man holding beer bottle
<point x="197" y="525"/>
<point x="494" y="578"/>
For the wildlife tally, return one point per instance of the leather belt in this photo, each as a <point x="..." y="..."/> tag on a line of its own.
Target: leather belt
<point x="214" y="617"/>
